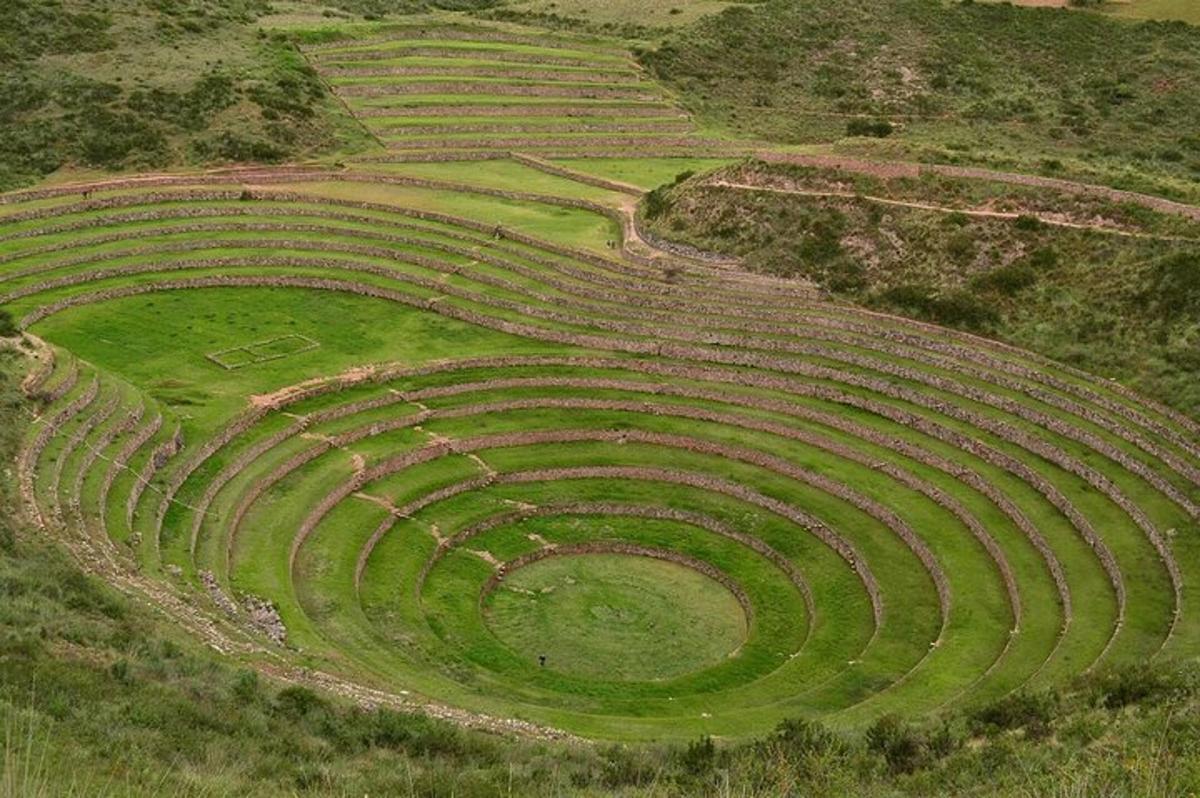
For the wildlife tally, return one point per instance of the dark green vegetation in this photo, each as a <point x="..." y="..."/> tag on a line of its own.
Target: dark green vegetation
<point x="1109" y="287"/>
<point x="969" y="82"/>
<point x="143" y="84"/>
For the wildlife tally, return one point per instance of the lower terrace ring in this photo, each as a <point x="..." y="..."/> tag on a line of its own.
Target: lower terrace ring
<point x="533" y="482"/>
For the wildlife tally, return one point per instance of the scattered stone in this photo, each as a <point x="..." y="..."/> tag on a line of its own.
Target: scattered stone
<point x="218" y="595"/>
<point x="265" y="618"/>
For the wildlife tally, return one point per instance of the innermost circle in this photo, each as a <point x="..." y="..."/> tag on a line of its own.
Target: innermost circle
<point x="616" y="616"/>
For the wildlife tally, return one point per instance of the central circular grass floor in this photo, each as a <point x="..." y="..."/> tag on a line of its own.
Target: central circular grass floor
<point x="616" y="616"/>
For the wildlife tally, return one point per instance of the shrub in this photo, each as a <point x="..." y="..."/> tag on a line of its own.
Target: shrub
<point x="245" y="687"/>
<point x="191" y="110"/>
<point x="798" y="737"/>
<point x="897" y="742"/>
<point x="1027" y="223"/>
<point x="943" y="742"/>
<point x="961" y="246"/>
<point x="1043" y="258"/>
<point x="120" y="671"/>
<point x="229" y="146"/>
<point x="1136" y="684"/>
<point x="1029" y="711"/>
<point x="656" y="203"/>
<point x="117" y="137"/>
<point x="297" y="702"/>
<point x="961" y="309"/>
<point x="956" y="309"/>
<point x="822" y="240"/>
<point x="878" y="128"/>
<point x="8" y="326"/>
<point x="415" y="734"/>
<point x="699" y="755"/>
<point x="1008" y="280"/>
<point x="845" y="275"/>
<point x="1175" y="284"/>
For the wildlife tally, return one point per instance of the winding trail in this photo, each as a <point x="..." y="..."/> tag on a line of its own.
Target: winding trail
<point x="895" y="169"/>
<point x="1050" y="221"/>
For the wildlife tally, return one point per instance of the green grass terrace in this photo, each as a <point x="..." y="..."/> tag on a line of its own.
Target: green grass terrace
<point x="474" y="459"/>
<point x="446" y="92"/>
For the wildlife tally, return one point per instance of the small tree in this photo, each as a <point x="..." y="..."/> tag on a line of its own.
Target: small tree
<point x="901" y="746"/>
<point x="8" y="327"/>
<point x="874" y="128"/>
<point x="700" y="755"/>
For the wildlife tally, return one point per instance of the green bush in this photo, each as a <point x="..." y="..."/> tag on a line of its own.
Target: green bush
<point x="699" y="755"/>
<point x="953" y="309"/>
<point x="1008" y="280"/>
<point x="1043" y="259"/>
<point x="961" y="247"/>
<point x="844" y="275"/>
<point x="821" y="238"/>
<point x="1029" y="711"/>
<point x="246" y="687"/>
<point x="874" y="128"/>
<point x="191" y="110"/>
<point x="8" y="326"/>
<point x="230" y="146"/>
<point x="897" y="742"/>
<point x="1135" y="684"/>
<point x="657" y="203"/>
<point x="53" y="113"/>
<point x="33" y="28"/>
<point x="798" y="738"/>
<point x="296" y="703"/>
<point x="1175" y="284"/>
<point x="118" y="137"/>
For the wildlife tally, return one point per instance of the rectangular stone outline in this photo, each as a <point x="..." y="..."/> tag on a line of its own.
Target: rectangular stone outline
<point x="248" y="350"/>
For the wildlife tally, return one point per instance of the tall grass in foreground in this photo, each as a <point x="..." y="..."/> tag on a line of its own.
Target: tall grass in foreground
<point x="24" y="768"/>
<point x="29" y="768"/>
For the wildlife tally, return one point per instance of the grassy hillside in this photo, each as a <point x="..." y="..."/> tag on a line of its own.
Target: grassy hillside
<point x="1111" y="288"/>
<point x="1036" y="88"/>
<point x="1184" y="10"/>
<point x="139" y="84"/>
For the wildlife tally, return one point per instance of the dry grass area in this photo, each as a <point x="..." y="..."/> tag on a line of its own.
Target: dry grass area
<point x="1185" y="10"/>
<point x="1182" y="10"/>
